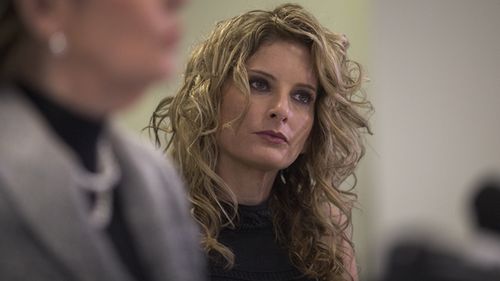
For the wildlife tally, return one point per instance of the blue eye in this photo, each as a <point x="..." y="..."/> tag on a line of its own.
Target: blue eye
<point x="303" y="97"/>
<point x="259" y="84"/>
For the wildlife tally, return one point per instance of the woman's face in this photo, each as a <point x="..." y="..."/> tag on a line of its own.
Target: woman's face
<point x="280" y="115"/>
<point x="124" y="41"/>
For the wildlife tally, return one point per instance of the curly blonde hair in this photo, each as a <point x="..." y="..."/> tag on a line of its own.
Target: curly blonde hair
<point x="187" y="123"/>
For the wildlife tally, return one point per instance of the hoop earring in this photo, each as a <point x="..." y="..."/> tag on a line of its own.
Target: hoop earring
<point x="58" y="43"/>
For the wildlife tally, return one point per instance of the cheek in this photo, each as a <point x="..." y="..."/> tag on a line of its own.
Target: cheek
<point x="228" y="113"/>
<point x="304" y="131"/>
<point x="128" y="40"/>
<point x="233" y="104"/>
<point x="128" y="27"/>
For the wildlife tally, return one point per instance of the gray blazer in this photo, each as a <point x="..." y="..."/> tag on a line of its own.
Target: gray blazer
<point x="44" y="233"/>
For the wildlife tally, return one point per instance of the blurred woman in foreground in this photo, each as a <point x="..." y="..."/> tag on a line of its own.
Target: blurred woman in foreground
<point x="80" y="199"/>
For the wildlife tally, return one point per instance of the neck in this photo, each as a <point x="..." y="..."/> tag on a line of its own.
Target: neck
<point x="250" y="185"/>
<point x="79" y="88"/>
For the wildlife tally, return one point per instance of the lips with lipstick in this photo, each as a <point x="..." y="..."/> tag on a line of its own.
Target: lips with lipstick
<point x="273" y="137"/>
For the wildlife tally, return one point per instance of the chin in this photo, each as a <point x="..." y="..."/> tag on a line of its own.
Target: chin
<point x="124" y="101"/>
<point x="151" y="72"/>
<point x="142" y="82"/>
<point x="167" y="67"/>
<point x="267" y="164"/>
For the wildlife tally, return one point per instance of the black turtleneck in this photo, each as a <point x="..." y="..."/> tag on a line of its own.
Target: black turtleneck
<point x="78" y="132"/>
<point x="81" y="134"/>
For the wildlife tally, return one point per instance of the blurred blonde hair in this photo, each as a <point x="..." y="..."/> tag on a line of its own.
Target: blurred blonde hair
<point x="187" y="123"/>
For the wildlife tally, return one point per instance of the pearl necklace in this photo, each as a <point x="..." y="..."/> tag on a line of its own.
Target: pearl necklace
<point x="101" y="184"/>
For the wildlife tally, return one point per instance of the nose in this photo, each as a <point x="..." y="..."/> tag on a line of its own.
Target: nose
<point x="280" y="107"/>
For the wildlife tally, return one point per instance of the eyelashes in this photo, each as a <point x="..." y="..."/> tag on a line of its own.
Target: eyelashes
<point x="259" y="84"/>
<point x="304" y="97"/>
<point x="262" y="85"/>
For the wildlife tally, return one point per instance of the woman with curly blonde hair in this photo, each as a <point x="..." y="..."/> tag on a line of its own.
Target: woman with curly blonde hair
<point x="265" y="128"/>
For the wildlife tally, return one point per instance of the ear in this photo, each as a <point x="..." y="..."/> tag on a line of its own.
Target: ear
<point x="42" y="18"/>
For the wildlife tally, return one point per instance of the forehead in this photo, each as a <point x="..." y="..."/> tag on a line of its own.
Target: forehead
<point x="284" y="59"/>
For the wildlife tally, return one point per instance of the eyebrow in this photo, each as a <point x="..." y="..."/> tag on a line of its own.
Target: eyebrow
<point x="270" y="76"/>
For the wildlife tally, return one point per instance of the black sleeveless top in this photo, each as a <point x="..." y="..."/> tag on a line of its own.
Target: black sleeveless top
<point x="258" y="257"/>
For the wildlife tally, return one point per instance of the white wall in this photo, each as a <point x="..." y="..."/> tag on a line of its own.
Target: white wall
<point x="436" y="86"/>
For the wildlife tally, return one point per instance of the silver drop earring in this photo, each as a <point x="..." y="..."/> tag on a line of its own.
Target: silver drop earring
<point x="282" y="177"/>
<point x="58" y="43"/>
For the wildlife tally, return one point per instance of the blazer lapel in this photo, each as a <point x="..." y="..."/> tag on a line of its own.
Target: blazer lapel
<point x="38" y="175"/>
<point x="157" y="215"/>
